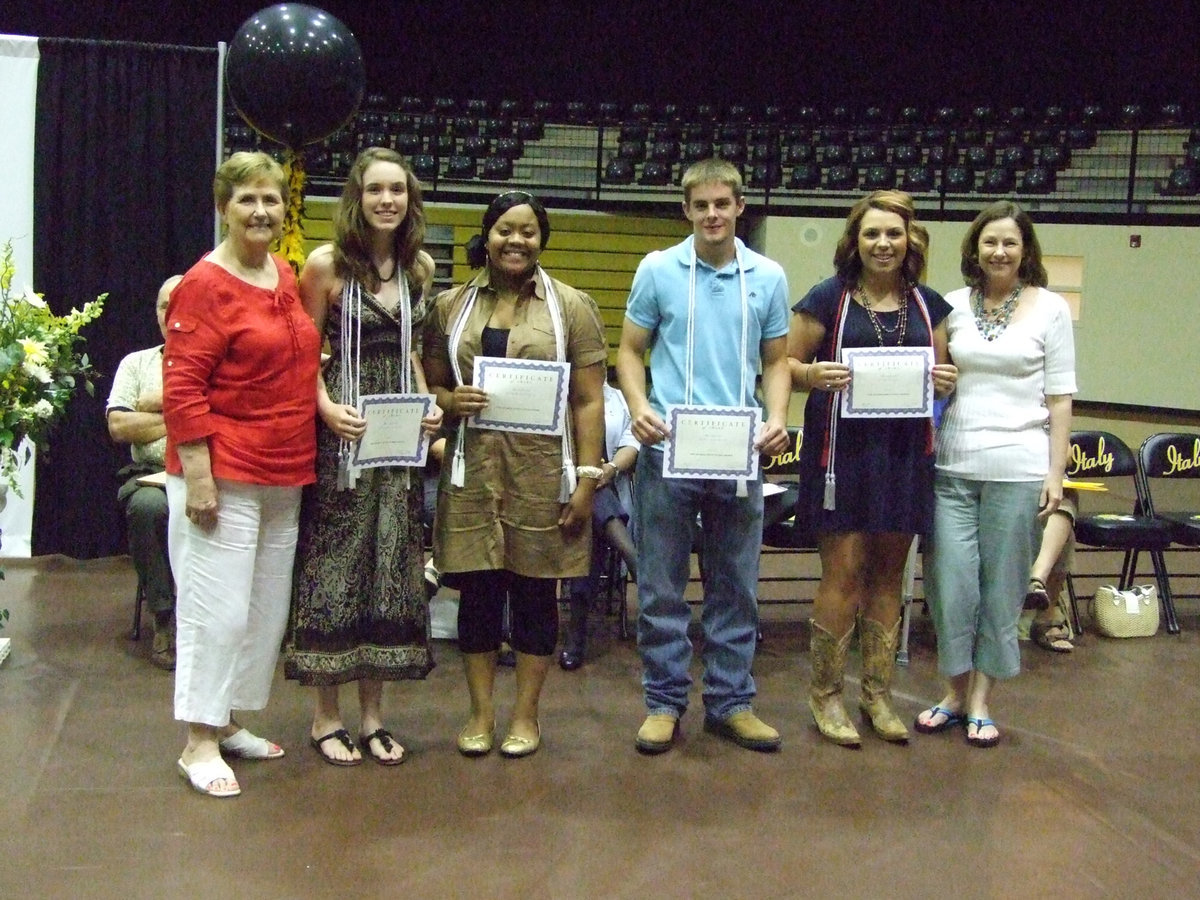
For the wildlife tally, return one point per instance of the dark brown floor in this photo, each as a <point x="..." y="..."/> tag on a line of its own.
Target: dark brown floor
<point x="1093" y="792"/>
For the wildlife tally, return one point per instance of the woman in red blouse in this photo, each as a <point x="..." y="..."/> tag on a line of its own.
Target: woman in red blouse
<point x="239" y="364"/>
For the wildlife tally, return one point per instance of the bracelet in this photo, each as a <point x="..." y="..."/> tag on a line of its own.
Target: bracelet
<point x="592" y="472"/>
<point x="616" y="469"/>
<point x="808" y="376"/>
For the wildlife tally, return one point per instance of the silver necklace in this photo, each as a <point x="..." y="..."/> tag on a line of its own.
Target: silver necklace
<point x="877" y="323"/>
<point x="991" y="324"/>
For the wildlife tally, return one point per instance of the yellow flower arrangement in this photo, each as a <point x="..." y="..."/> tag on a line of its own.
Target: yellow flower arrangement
<point x="39" y="365"/>
<point x="291" y="242"/>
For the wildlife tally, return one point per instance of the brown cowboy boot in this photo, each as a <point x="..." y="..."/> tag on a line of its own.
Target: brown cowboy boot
<point x="825" y="692"/>
<point x="878" y="663"/>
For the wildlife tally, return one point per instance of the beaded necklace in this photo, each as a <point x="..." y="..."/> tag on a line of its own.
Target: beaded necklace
<point x="877" y="323"/>
<point x="992" y="324"/>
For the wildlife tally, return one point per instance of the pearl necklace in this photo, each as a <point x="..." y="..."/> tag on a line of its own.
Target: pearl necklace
<point x="880" y="329"/>
<point x="991" y="324"/>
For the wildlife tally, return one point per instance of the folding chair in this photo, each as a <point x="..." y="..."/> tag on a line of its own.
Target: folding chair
<point x="1102" y="455"/>
<point x="1171" y="455"/>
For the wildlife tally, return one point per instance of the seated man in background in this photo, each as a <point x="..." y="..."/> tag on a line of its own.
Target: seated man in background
<point x="612" y="505"/>
<point x="135" y="418"/>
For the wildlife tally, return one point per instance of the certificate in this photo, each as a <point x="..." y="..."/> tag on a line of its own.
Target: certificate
<point x="525" y="395"/>
<point x="712" y="442"/>
<point x="394" y="436"/>
<point x="888" y="382"/>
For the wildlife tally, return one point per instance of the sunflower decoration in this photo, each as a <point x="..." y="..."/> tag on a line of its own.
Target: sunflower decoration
<point x="291" y="242"/>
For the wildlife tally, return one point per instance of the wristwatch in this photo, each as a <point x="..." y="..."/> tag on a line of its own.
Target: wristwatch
<point x="592" y="472"/>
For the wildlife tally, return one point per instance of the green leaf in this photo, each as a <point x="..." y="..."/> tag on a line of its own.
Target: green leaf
<point x="11" y="357"/>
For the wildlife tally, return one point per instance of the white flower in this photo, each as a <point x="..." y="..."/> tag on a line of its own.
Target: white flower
<point x="34" y="299"/>
<point x="42" y="409"/>
<point x="38" y="372"/>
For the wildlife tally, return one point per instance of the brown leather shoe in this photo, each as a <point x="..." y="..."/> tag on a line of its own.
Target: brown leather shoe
<point x="657" y="734"/>
<point x="746" y="730"/>
<point x="162" y="651"/>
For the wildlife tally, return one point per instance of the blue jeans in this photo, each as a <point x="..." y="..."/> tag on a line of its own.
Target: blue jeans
<point x="731" y="540"/>
<point x="978" y="559"/>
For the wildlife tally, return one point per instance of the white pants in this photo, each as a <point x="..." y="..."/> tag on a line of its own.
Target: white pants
<point x="233" y="587"/>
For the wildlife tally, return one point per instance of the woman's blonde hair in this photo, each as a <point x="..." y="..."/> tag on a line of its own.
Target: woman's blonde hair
<point x="242" y="167"/>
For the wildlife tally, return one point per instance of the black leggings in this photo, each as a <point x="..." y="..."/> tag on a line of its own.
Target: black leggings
<point x="533" y="606"/>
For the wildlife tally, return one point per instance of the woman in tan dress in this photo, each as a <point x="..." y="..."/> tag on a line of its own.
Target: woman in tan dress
<point x="514" y="508"/>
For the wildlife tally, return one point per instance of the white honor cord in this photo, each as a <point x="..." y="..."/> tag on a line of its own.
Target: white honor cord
<point x="690" y="362"/>
<point x="406" y="329"/>
<point x="351" y="360"/>
<point x="458" y="469"/>
<point x="830" y="499"/>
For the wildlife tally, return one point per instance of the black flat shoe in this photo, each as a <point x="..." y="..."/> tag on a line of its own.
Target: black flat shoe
<point x="570" y="660"/>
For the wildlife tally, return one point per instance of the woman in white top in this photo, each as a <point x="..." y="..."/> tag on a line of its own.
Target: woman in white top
<point x="1001" y="453"/>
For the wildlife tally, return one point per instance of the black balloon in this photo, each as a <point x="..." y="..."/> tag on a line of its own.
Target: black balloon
<point x="295" y="73"/>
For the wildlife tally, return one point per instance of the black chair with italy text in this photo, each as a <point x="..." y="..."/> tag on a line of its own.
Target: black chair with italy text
<point x="1173" y="456"/>
<point x="782" y="528"/>
<point x="1102" y="456"/>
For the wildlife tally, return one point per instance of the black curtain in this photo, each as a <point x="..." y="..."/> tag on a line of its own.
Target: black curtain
<point x="124" y="157"/>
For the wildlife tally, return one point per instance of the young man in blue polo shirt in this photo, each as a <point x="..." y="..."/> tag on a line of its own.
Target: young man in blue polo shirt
<point x="713" y="313"/>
